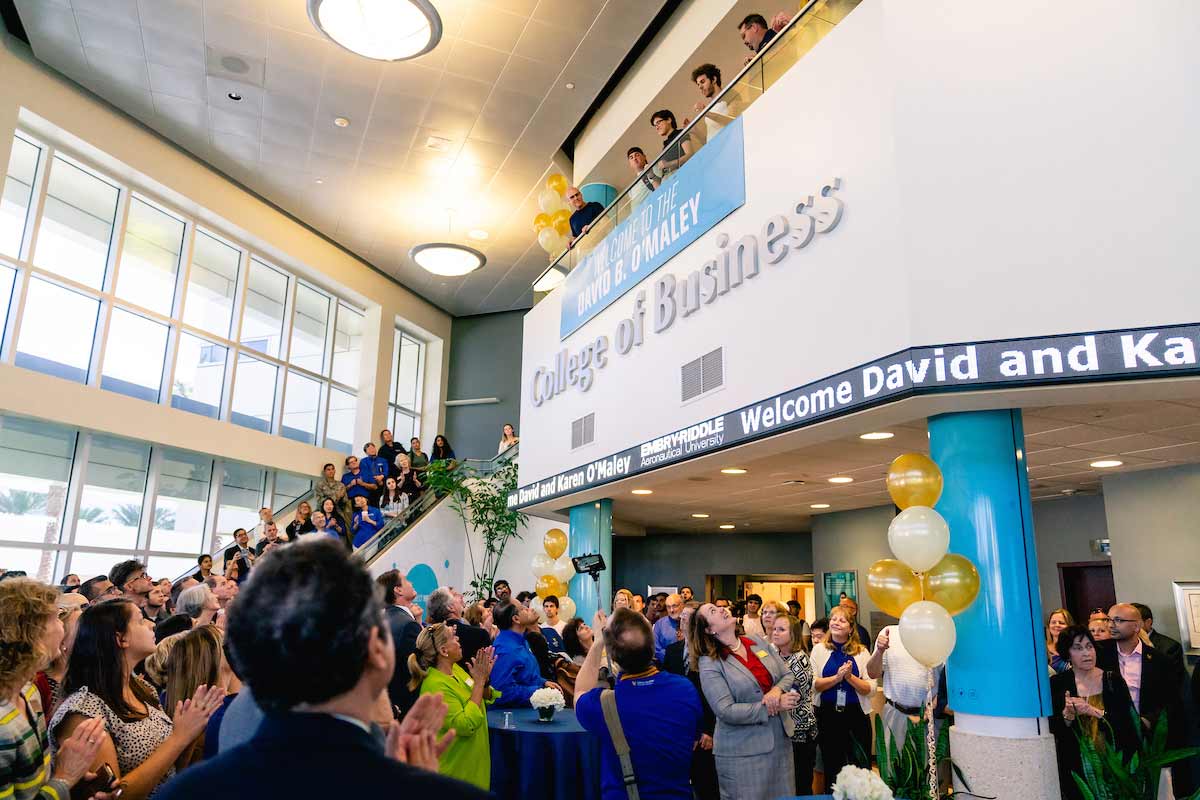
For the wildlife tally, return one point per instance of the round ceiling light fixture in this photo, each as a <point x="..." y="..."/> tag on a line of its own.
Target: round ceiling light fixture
<point x="1107" y="463"/>
<point x="876" y="436"/>
<point x="384" y="30"/>
<point x="819" y="506"/>
<point x="447" y="259"/>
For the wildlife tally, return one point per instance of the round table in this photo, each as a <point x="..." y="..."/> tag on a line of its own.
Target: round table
<point x="556" y="759"/>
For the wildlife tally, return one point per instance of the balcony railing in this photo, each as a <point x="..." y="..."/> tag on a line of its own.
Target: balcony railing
<point x="788" y="46"/>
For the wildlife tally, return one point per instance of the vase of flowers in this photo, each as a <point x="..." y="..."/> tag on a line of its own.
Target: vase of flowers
<point x="547" y="701"/>
<point x="856" y="783"/>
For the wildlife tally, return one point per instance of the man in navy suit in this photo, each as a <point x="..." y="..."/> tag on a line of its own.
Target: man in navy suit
<point x="398" y="596"/>
<point x="308" y="637"/>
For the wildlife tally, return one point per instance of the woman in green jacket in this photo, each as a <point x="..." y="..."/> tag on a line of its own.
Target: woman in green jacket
<point x="434" y="667"/>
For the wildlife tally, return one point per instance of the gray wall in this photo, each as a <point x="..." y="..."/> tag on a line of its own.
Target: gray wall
<point x="679" y="559"/>
<point x="485" y="361"/>
<point x="1152" y="520"/>
<point x="850" y="540"/>
<point x="1064" y="529"/>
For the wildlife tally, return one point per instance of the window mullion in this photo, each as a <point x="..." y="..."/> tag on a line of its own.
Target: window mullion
<point x="150" y="500"/>
<point x="76" y="480"/>
<point x="15" y="314"/>
<point x="212" y="514"/>
<point x="38" y="205"/>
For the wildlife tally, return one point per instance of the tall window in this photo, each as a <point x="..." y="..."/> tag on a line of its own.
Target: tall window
<point x="404" y="400"/>
<point x="35" y="468"/>
<point x="123" y="293"/>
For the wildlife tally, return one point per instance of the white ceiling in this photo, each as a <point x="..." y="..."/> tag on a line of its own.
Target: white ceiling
<point x="495" y="87"/>
<point x="1061" y="443"/>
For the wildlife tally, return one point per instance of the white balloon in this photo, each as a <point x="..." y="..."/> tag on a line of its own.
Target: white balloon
<point x="566" y="608"/>
<point x="919" y="537"/>
<point x="550" y="201"/>
<point x="928" y="633"/>
<point x="542" y="564"/>
<point x="563" y="569"/>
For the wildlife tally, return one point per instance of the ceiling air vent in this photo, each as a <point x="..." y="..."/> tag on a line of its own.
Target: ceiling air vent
<point x="702" y="375"/>
<point x="583" y="431"/>
<point x="233" y="66"/>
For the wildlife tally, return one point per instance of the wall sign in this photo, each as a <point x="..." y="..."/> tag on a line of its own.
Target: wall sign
<point x="705" y="190"/>
<point x="1062" y="359"/>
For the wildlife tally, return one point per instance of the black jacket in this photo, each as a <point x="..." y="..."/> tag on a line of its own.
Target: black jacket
<point x="244" y="566"/>
<point x="1118" y="710"/>
<point x="1172" y="650"/>
<point x="472" y="639"/>
<point x="674" y="662"/>
<point x="1160" y="689"/>
<point x="388" y="453"/>
<point x="404" y="638"/>
<point x="311" y="755"/>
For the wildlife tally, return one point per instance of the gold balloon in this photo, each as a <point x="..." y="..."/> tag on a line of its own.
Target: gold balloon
<point x="549" y="585"/>
<point x="561" y="220"/>
<point x="541" y="221"/>
<point x="914" y="480"/>
<point x="892" y="586"/>
<point x="555" y="542"/>
<point x="953" y="583"/>
<point x="558" y="183"/>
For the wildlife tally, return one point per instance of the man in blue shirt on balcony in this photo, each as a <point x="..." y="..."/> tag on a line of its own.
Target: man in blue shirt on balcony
<point x="584" y="214"/>
<point x="515" y="673"/>
<point x="375" y="468"/>
<point x="367" y="521"/>
<point x="358" y="483"/>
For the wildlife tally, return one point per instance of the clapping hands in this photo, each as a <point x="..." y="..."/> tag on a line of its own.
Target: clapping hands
<point x="414" y="740"/>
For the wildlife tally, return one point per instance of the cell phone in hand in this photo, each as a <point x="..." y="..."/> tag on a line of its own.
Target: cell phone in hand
<point x="105" y="778"/>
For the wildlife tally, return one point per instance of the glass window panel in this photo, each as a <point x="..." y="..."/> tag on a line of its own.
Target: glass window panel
<point x="212" y="284"/>
<point x="404" y="427"/>
<point x="133" y="357"/>
<point x="180" y="506"/>
<point x="36" y="562"/>
<point x="17" y="194"/>
<point x="77" y="224"/>
<point x="173" y="567"/>
<point x="408" y="374"/>
<point x="309" y="326"/>
<point x="150" y="257"/>
<point x="288" y="487"/>
<point x="56" y="331"/>
<point x="241" y="498"/>
<point x="339" y="431"/>
<point x="254" y="393"/>
<point x="110" y="507"/>
<point x="87" y="564"/>
<point x="8" y="277"/>
<point x="347" y="346"/>
<point x="35" y="465"/>
<point x="199" y="376"/>
<point x="262" y="321"/>
<point x="300" y="406"/>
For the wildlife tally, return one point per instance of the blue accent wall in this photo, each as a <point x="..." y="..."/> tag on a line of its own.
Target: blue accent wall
<point x="485" y="361"/>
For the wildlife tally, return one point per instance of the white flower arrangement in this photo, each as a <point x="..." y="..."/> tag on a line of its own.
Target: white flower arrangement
<point x="855" y="783"/>
<point x="547" y="698"/>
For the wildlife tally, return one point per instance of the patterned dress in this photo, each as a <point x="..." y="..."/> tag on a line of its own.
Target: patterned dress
<point x="134" y="740"/>
<point x="803" y="715"/>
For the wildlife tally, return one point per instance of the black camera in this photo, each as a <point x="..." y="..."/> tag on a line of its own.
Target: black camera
<point x="592" y="564"/>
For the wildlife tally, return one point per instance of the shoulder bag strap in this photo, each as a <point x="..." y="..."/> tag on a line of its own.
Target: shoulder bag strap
<point x="608" y="702"/>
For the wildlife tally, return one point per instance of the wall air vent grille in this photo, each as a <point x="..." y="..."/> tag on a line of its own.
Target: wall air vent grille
<point x="702" y="375"/>
<point x="583" y="431"/>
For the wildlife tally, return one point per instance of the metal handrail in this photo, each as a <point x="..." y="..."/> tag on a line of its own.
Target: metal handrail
<point x="801" y="14"/>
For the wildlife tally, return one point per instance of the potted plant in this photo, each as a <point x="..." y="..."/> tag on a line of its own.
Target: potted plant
<point x="906" y="770"/>
<point x="547" y="700"/>
<point x="1107" y="776"/>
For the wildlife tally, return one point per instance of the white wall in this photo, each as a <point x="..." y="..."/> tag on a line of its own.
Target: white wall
<point x="983" y="201"/>
<point x="1064" y="529"/>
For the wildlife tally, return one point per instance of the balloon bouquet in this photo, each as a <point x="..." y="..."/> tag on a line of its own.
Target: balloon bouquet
<point x="925" y="586"/>
<point x="553" y="570"/>
<point x="553" y="225"/>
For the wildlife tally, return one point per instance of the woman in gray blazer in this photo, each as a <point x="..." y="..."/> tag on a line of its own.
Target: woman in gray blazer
<point x="747" y="685"/>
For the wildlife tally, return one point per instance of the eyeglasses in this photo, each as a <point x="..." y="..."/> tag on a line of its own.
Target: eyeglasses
<point x="1120" y="621"/>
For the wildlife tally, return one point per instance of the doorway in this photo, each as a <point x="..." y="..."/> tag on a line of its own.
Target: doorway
<point x="1086" y="586"/>
<point x="769" y="587"/>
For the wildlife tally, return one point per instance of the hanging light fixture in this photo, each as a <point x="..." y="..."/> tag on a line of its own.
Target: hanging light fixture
<point x="385" y="30"/>
<point x="447" y="258"/>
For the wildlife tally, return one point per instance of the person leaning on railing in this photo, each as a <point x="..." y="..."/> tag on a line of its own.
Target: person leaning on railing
<point x="678" y="147"/>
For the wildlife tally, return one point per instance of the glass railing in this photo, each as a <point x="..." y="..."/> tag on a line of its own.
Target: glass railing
<point x="788" y="46"/>
<point x="397" y="526"/>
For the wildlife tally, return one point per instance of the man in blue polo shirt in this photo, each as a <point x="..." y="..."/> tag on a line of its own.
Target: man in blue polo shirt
<point x="358" y="483"/>
<point x="660" y="713"/>
<point x="583" y="213"/>
<point x="375" y="468"/>
<point x="666" y="629"/>
<point x="515" y="673"/>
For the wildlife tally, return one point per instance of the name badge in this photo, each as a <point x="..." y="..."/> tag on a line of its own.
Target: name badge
<point x="471" y="682"/>
<point x="761" y="654"/>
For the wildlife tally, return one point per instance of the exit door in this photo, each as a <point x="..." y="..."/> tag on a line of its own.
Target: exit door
<point x="1086" y="586"/>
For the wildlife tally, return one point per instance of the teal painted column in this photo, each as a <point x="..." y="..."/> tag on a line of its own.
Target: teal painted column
<point x="591" y="532"/>
<point x="601" y="193"/>
<point x="998" y="667"/>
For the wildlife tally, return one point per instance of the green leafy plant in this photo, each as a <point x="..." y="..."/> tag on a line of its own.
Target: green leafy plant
<point x="906" y="770"/>
<point x="92" y="514"/>
<point x="1107" y="776"/>
<point x="481" y="502"/>
<point x="130" y="515"/>
<point x="21" y="502"/>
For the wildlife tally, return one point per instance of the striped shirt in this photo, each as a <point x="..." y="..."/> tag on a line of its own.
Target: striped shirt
<point x="24" y="754"/>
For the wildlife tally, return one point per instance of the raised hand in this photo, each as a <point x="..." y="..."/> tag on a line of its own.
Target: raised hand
<point x="191" y="716"/>
<point x="600" y="621"/>
<point x="884" y="641"/>
<point x="76" y="754"/>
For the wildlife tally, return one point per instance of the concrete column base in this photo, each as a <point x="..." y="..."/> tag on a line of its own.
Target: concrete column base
<point x="1006" y="768"/>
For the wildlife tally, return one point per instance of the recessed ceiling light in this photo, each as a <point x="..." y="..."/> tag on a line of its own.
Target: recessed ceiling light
<point x="234" y="96"/>
<point x="1107" y="463"/>
<point x="550" y="279"/>
<point x="341" y="122"/>
<point x="727" y="526"/>
<point x="734" y="471"/>
<point x="1068" y="491"/>
<point x="318" y="180"/>
<point x="699" y="516"/>
<point x="385" y="30"/>
<point x="841" y="479"/>
<point x="570" y="85"/>
<point x="793" y="482"/>
<point x="876" y="436"/>
<point x="642" y="491"/>
<point x="479" y="234"/>
<point x="446" y="258"/>
<point x="819" y="505"/>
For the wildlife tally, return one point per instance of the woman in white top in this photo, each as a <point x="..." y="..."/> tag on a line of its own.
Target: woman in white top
<point x="508" y="437"/>
<point x="842" y="696"/>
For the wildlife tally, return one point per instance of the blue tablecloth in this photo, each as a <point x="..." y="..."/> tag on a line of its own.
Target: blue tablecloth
<point x="536" y="760"/>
